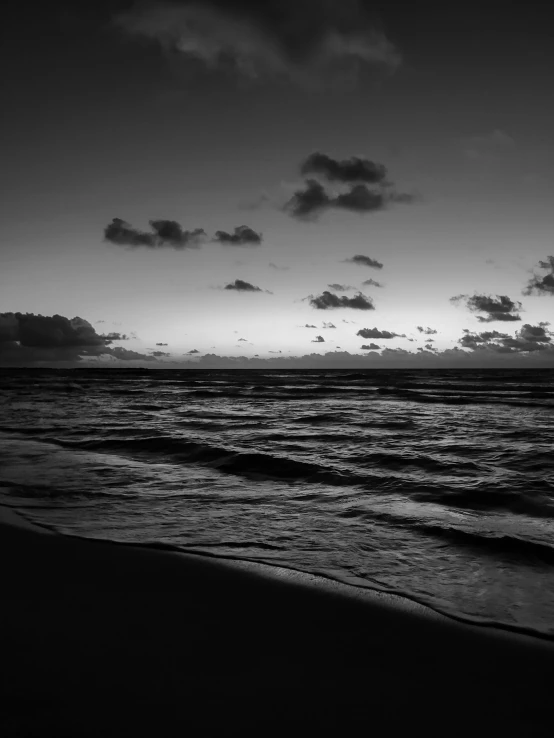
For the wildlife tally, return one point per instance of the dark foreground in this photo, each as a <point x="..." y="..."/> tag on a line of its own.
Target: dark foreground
<point x="102" y="639"/>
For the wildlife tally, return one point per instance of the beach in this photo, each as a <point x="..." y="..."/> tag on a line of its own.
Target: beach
<point x="114" y="639"/>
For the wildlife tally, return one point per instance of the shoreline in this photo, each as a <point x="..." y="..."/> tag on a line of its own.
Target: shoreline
<point x="91" y="628"/>
<point x="280" y="570"/>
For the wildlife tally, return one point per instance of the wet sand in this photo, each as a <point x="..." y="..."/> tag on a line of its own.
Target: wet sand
<point x="107" y="639"/>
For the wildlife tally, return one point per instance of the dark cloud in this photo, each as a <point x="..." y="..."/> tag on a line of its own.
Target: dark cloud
<point x="111" y="337"/>
<point x="429" y="346"/>
<point x="528" y="339"/>
<point x="502" y="308"/>
<point x="365" y="261"/>
<point x="340" y="287"/>
<point x="165" y="233"/>
<point x="161" y="344"/>
<point x="376" y="333"/>
<point x="304" y="42"/>
<point x="370" y="347"/>
<point x="542" y="285"/>
<point x="243" y="236"/>
<point x="160" y="353"/>
<point x="328" y="325"/>
<point x="361" y="199"/>
<point x="328" y="301"/>
<point x="427" y="331"/>
<point x="26" y="338"/>
<point x="242" y="286"/>
<point x="193" y="351"/>
<point x="308" y="203"/>
<point x="371" y="283"/>
<point x="355" y="169"/>
<point x="318" y="339"/>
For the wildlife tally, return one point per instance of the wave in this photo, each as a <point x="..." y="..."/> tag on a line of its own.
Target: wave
<point x="243" y="463"/>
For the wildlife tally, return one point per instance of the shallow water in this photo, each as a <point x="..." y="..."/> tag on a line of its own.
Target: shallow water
<point x="435" y="484"/>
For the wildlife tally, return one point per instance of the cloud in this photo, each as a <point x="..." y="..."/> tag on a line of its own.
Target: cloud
<point x="165" y="233"/>
<point x="111" y="337"/>
<point x="376" y="333"/>
<point x="340" y="287"/>
<point x="528" y="339"/>
<point x="426" y="331"/>
<point x="328" y="301"/>
<point x="243" y="236"/>
<point x="365" y="261"/>
<point x="384" y="359"/>
<point x="308" y="203"/>
<point x="278" y="268"/>
<point x="160" y="353"/>
<point x="430" y="347"/>
<point x="305" y="42"/>
<point x="308" y="326"/>
<point x="370" y="347"/>
<point x="355" y="169"/>
<point x="328" y="325"/>
<point x="193" y="351"/>
<point x="542" y="285"/>
<point x="318" y="339"/>
<point x="242" y="286"/>
<point x="161" y="344"/>
<point x="492" y="144"/>
<point x="27" y="339"/>
<point x="371" y="283"/>
<point x="502" y="308"/>
<point x="243" y="339"/>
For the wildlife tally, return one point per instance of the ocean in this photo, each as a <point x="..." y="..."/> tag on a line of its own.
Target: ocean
<point x="436" y="485"/>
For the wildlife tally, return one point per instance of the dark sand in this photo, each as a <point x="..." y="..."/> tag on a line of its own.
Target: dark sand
<point x="103" y="639"/>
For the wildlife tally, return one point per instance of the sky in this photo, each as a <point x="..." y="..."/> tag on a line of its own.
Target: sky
<point x="293" y="183"/>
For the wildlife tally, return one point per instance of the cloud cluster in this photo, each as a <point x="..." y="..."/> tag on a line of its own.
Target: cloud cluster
<point x="304" y="42"/>
<point x="170" y="234"/>
<point x="529" y="339"/>
<point x="376" y="333"/>
<point x="370" y="347"/>
<point x="501" y="308"/>
<point x="329" y="301"/>
<point x="355" y="169"/>
<point x="26" y="339"/>
<point x="313" y="199"/>
<point x="542" y="285"/>
<point x="427" y="331"/>
<point x="166" y="233"/>
<point x="318" y="339"/>
<point x="242" y="236"/>
<point x="365" y="261"/>
<point x="371" y="283"/>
